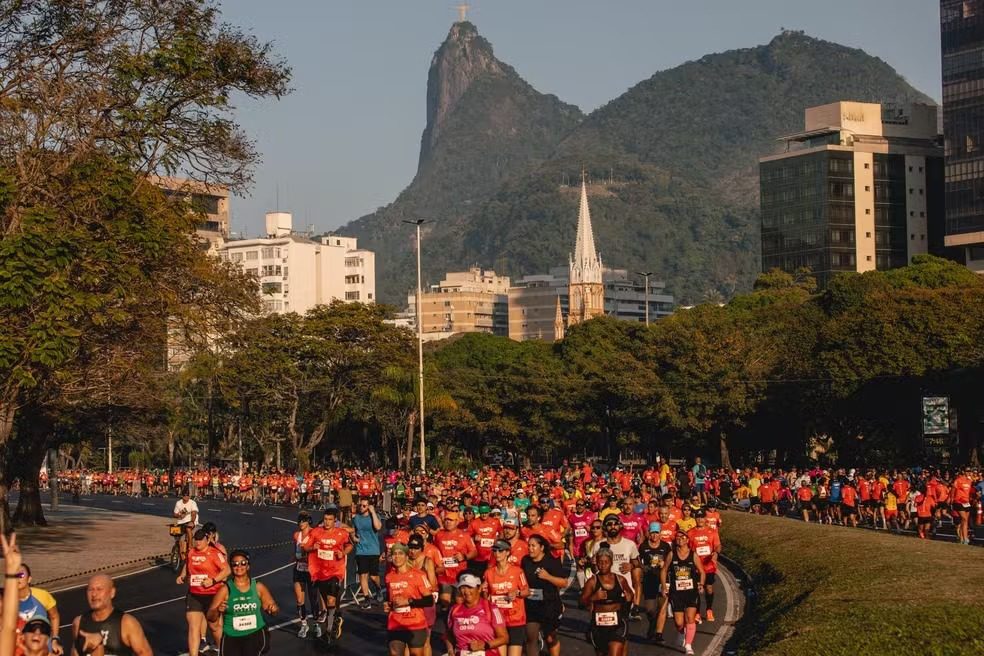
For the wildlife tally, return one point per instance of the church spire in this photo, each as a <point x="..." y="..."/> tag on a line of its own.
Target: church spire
<point x="585" y="264"/>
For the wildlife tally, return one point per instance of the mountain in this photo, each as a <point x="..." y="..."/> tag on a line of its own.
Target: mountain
<point x="485" y="125"/>
<point x="672" y="164"/>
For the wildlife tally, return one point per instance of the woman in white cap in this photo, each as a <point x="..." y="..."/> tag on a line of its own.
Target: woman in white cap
<point x="476" y="627"/>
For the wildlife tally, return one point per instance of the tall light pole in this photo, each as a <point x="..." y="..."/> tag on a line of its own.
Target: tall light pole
<point x="420" y="346"/>
<point x="645" y="275"/>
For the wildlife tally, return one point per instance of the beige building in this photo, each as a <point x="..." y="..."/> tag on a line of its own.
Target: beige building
<point x="472" y="301"/>
<point x="861" y="188"/>
<point x="212" y="200"/>
<point x="537" y="307"/>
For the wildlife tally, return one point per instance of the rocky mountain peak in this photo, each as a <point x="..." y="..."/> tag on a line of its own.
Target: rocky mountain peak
<point x="463" y="58"/>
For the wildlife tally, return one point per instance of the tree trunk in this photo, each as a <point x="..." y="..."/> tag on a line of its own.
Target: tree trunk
<point x="8" y="411"/>
<point x="26" y="467"/>
<point x="725" y="456"/>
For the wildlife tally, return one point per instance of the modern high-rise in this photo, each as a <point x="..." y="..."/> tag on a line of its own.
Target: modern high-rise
<point x="860" y="188"/>
<point x="297" y="273"/>
<point x="962" y="42"/>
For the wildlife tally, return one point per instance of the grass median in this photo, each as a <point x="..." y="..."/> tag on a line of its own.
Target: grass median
<point x="829" y="590"/>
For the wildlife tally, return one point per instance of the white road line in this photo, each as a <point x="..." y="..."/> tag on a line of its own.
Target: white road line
<point x="148" y="504"/>
<point x="731" y="615"/>
<point x="120" y="576"/>
<point x="281" y="519"/>
<point x="114" y="501"/>
<point x="243" y="512"/>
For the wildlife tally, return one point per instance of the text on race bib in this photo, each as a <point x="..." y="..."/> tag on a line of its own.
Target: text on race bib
<point x="244" y="623"/>
<point x="486" y="543"/>
<point x="502" y="601"/>
<point x="197" y="580"/>
<point x="326" y="554"/>
<point x="606" y="619"/>
<point x="684" y="584"/>
<point x="450" y="563"/>
<point x="703" y="551"/>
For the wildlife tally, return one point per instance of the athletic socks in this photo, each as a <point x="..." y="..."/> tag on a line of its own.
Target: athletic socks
<point x="691" y="633"/>
<point x="709" y="597"/>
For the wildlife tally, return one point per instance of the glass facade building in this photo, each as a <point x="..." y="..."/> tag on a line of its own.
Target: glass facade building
<point x="962" y="43"/>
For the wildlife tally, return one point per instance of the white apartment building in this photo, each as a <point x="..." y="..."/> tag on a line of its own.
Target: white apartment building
<point x="297" y="273"/>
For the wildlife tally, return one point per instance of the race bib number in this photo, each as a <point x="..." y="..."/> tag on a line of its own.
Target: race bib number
<point x="703" y="551"/>
<point x="486" y="543"/>
<point x="302" y="566"/>
<point x="684" y="584"/>
<point x="606" y="619"/>
<point x="244" y="623"/>
<point x="197" y="580"/>
<point x="402" y="610"/>
<point x="502" y="601"/>
<point x="536" y="594"/>
<point x="326" y="554"/>
<point x="465" y="652"/>
<point x="581" y="532"/>
<point x="450" y="563"/>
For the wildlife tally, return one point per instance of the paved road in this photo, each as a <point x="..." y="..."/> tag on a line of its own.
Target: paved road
<point x="157" y="601"/>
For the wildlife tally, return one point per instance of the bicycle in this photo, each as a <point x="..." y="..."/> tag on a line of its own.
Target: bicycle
<point x="176" y="558"/>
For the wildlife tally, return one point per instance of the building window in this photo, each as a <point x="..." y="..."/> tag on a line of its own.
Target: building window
<point x="273" y="306"/>
<point x="867" y="165"/>
<point x="369" y="296"/>
<point x="867" y="210"/>
<point x="267" y="252"/>
<point x="922" y="214"/>
<point x="353" y="261"/>
<point x="351" y="296"/>
<point x="236" y="257"/>
<point x="867" y="187"/>
<point x="868" y="257"/>
<point x="352" y="280"/>
<point x="251" y="255"/>
<point x="912" y="237"/>
<point x="252" y="271"/>
<point x="868" y="235"/>
<point x="911" y="190"/>
<point x="271" y="288"/>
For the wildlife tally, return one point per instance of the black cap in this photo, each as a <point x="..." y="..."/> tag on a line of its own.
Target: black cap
<point x="415" y="542"/>
<point x="201" y="534"/>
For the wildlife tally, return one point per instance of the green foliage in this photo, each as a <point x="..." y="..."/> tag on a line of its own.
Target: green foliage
<point x="827" y="590"/>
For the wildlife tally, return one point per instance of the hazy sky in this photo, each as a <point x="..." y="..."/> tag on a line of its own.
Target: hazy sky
<point x="346" y="140"/>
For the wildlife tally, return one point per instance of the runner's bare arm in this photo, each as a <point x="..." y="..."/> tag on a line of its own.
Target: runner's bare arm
<point x="133" y="636"/>
<point x="266" y="599"/>
<point x="217" y="607"/>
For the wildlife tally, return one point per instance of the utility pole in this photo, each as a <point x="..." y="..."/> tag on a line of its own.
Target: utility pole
<point x="645" y="275"/>
<point x="420" y="347"/>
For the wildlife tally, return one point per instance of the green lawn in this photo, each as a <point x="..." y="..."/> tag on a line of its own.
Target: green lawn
<point x="828" y="590"/>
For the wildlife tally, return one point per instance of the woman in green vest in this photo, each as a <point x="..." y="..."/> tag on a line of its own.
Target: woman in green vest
<point x="241" y="602"/>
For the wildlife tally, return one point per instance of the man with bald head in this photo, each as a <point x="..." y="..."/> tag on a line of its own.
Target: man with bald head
<point x="121" y="633"/>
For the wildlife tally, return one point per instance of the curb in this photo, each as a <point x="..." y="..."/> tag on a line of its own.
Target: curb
<point x="156" y="558"/>
<point x="735" y="610"/>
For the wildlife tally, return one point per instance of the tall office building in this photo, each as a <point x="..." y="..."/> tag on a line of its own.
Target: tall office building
<point x="859" y="189"/>
<point x="962" y="41"/>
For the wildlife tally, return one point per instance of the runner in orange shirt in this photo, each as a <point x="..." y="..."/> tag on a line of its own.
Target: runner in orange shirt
<point x="706" y="543"/>
<point x="507" y="587"/>
<point x="206" y="571"/>
<point x="962" y="486"/>
<point x="408" y="594"/>
<point x="484" y="531"/>
<point x="327" y="547"/>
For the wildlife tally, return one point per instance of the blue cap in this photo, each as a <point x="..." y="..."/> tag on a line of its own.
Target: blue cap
<point x="655" y="527"/>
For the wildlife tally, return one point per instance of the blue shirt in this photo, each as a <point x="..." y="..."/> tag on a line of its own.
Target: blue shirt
<point x="835" y="490"/>
<point x="31" y="608"/>
<point x="368" y="544"/>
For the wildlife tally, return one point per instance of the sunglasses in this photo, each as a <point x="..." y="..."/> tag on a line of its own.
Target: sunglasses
<point x="38" y="626"/>
<point x="240" y="563"/>
<point x="595" y="528"/>
<point x="20" y="575"/>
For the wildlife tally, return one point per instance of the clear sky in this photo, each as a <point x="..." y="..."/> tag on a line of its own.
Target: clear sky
<point x="346" y="140"/>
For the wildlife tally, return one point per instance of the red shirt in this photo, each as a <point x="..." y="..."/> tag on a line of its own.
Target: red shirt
<point x="849" y="496"/>
<point x="326" y="560"/>
<point x="412" y="584"/>
<point x="484" y="533"/>
<point x="202" y="565"/>
<point x="704" y="542"/>
<point x="500" y="585"/>
<point x="517" y="551"/>
<point x="450" y="543"/>
<point x="961" y="489"/>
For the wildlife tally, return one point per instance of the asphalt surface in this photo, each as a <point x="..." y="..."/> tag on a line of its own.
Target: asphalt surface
<point x="158" y="602"/>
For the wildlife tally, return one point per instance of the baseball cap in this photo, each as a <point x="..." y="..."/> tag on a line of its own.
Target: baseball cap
<point x="415" y="542"/>
<point x="469" y="580"/>
<point x="41" y="620"/>
<point x="655" y="527"/>
<point x="452" y="516"/>
<point x="484" y="509"/>
<point x="510" y="521"/>
<point x="501" y="545"/>
<point x="399" y="546"/>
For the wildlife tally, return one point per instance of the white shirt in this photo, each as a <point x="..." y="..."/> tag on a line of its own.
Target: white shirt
<point x="189" y="508"/>
<point x="624" y="552"/>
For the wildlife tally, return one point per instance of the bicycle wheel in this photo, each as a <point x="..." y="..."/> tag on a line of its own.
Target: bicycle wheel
<point x="175" y="559"/>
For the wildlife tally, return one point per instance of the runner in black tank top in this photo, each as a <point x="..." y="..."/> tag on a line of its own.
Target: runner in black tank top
<point x="683" y="581"/>
<point x="119" y="633"/>
<point x="111" y="629"/>
<point x="606" y="596"/>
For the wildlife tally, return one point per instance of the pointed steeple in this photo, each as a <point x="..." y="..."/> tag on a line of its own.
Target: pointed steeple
<point x="585" y="265"/>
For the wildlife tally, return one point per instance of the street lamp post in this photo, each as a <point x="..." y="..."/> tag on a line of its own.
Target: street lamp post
<point x="645" y="275"/>
<point x="420" y="346"/>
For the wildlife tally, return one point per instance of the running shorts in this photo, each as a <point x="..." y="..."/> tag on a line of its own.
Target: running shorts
<point x="415" y="638"/>
<point x="681" y="600"/>
<point x="546" y="614"/>
<point x="302" y="577"/>
<point x="330" y="587"/>
<point x="517" y="635"/>
<point x="602" y="635"/>
<point x="198" y="603"/>
<point x="710" y="578"/>
<point x="254" y="644"/>
<point x="367" y="565"/>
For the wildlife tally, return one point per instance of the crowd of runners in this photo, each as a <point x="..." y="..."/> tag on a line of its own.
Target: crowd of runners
<point x="479" y="562"/>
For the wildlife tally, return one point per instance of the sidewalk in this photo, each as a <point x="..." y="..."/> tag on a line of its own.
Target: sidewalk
<point x="79" y="541"/>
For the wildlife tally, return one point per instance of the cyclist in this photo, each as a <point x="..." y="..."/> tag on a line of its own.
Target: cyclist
<point x="476" y="627"/>
<point x="546" y="576"/>
<point x="327" y="547"/>
<point x="682" y="577"/>
<point x="186" y="516"/>
<point x="507" y="588"/>
<point x="205" y="570"/>
<point x="606" y="595"/>
<point x="409" y="594"/>
<point x="239" y="605"/>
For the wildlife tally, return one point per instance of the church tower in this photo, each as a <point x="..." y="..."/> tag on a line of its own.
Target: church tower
<point x="587" y="293"/>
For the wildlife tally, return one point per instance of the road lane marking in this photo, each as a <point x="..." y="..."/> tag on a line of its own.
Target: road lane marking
<point x="119" y="576"/>
<point x="731" y="615"/>
<point x="114" y="501"/>
<point x="243" y="512"/>
<point x="281" y="519"/>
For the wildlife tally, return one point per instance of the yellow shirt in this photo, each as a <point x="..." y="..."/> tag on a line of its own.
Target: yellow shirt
<point x="743" y="492"/>
<point x="753" y="485"/>
<point x="606" y="511"/>
<point x="891" y="502"/>
<point x="686" y="524"/>
<point x="664" y="470"/>
<point x="44" y="597"/>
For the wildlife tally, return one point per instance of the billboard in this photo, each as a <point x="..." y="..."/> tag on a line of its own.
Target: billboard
<point x="936" y="415"/>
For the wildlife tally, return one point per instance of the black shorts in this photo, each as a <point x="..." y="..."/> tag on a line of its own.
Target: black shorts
<point x="848" y="510"/>
<point x="683" y="600"/>
<point x="367" y="565"/>
<point x="254" y="644"/>
<point x="545" y="613"/>
<point x="517" y="635"/>
<point x="754" y="500"/>
<point x="821" y="504"/>
<point x="710" y="578"/>
<point x="302" y="577"/>
<point x="415" y="638"/>
<point x="961" y="507"/>
<point x="602" y="635"/>
<point x="198" y="603"/>
<point x="329" y="587"/>
<point x="768" y="505"/>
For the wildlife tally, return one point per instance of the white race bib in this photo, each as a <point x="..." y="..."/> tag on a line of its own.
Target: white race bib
<point x="244" y="623"/>
<point x="197" y="580"/>
<point x="703" y="551"/>
<point x="684" y="584"/>
<point x="581" y="532"/>
<point x="465" y="652"/>
<point x="536" y="594"/>
<point x="502" y="601"/>
<point x="326" y="554"/>
<point x="402" y="610"/>
<point x="450" y="563"/>
<point x="486" y="543"/>
<point x="606" y="619"/>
